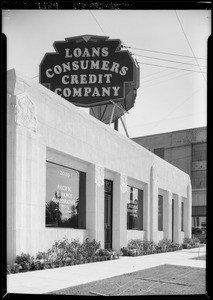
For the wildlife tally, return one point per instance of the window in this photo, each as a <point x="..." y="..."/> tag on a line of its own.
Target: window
<point x="182" y="215"/>
<point x="198" y="173"/>
<point x="65" y="197"/>
<point x="159" y="152"/>
<point x="160" y="213"/>
<point x="198" y="179"/>
<point x="198" y="211"/>
<point x="199" y="222"/>
<point x="199" y="152"/>
<point x="135" y="208"/>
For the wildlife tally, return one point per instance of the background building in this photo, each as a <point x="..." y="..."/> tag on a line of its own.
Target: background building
<point x="187" y="150"/>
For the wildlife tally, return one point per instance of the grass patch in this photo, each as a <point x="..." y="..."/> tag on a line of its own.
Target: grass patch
<point x="161" y="280"/>
<point x="201" y="257"/>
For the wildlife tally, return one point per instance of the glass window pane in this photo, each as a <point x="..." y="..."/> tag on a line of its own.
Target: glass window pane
<point x="182" y="215"/>
<point x="108" y="186"/>
<point x="134" y="208"/>
<point x="65" y="197"/>
<point x="198" y="179"/>
<point x="160" y="212"/>
<point x="199" y="152"/>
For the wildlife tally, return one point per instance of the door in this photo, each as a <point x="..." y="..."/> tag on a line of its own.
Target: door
<point x="108" y="214"/>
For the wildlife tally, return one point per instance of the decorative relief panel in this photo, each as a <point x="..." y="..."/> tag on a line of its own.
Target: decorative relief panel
<point x="123" y="185"/>
<point x="25" y="112"/>
<point x="99" y="175"/>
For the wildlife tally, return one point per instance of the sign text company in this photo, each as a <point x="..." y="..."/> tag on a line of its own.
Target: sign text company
<point x="88" y="70"/>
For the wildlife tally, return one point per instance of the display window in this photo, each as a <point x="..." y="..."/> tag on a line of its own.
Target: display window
<point x="135" y="208"/>
<point x="160" y="213"/>
<point x="65" y="197"/>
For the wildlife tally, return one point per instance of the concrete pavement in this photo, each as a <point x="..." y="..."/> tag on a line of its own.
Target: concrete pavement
<point x="44" y="281"/>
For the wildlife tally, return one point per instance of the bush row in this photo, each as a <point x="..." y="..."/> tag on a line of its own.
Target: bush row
<point x="62" y="253"/>
<point x="143" y="247"/>
<point x="65" y="253"/>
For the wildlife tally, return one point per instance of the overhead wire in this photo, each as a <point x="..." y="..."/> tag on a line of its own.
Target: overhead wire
<point x="169" y="74"/>
<point x="181" y="117"/>
<point x="167" y="53"/>
<point x="169" y="67"/>
<point x="188" y="42"/>
<point x="162" y="71"/>
<point x="175" y="109"/>
<point x="181" y="75"/>
<point x="97" y="22"/>
<point x="175" y="61"/>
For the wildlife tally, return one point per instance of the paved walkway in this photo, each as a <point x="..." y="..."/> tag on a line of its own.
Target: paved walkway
<point x="44" y="281"/>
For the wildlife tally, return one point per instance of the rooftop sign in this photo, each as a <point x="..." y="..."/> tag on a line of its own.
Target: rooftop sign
<point x="89" y="70"/>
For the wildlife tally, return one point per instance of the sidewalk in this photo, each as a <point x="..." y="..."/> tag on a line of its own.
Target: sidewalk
<point x="44" y="281"/>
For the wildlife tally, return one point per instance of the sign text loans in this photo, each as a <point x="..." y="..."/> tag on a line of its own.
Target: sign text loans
<point x="84" y="68"/>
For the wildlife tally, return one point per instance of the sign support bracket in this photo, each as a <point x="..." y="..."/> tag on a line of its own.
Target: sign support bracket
<point x="122" y="121"/>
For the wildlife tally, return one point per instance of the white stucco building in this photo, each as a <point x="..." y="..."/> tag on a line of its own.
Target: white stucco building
<point x="111" y="188"/>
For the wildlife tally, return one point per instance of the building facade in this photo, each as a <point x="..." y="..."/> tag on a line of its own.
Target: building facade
<point x="70" y="175"/>
<point x="187" y="150"/>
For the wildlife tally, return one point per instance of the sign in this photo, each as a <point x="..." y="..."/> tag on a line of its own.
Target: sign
<point x="89" y="70"/>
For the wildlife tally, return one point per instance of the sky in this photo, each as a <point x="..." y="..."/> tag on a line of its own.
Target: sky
<point x="169" y="45"/>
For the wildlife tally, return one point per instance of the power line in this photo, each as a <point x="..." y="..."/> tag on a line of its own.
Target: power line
<point x="167" y="53"/>
<point x="97" y="22"/>
<point x="182" y="75"/>
<point x="166" y="119"/>
<point x="175" y="109"/>
<point x="175" y="61"/>
<point x="170" y="67"/>
<point x="166" y="75"/>
<point x="162" y="71"/>
<point x="188" y="42"/>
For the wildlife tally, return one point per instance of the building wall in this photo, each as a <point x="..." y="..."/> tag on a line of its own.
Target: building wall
<point x="178" y="151"/>
<point x="43" y="126"/>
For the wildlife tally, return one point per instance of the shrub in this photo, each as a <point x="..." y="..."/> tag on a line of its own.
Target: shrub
<point x="62" y="253"/>
<point x="191" y="242"/>
<point x="124" y="251"/>
<point x="102" y="252"/>
<point x="89" y="248"/>
<point x="24" y="258"/>
<point x="24" y="262"/>
<point x="129" y="252"/>
<point x="164" y="244"/>
<point x="42" y="255"/>
<point x="59" y="250"/>
<point x="16" y="268"/>
<point x="141" y="246"/>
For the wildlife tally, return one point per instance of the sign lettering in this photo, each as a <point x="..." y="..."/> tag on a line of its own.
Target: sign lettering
<point x="89" y="70"/>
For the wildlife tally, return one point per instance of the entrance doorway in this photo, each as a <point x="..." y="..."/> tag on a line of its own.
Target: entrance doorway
<point x="108" y="184"/>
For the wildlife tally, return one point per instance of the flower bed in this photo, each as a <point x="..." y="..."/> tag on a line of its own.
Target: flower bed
<point x="139" y="247"/>
<point x="62" y="253"/>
